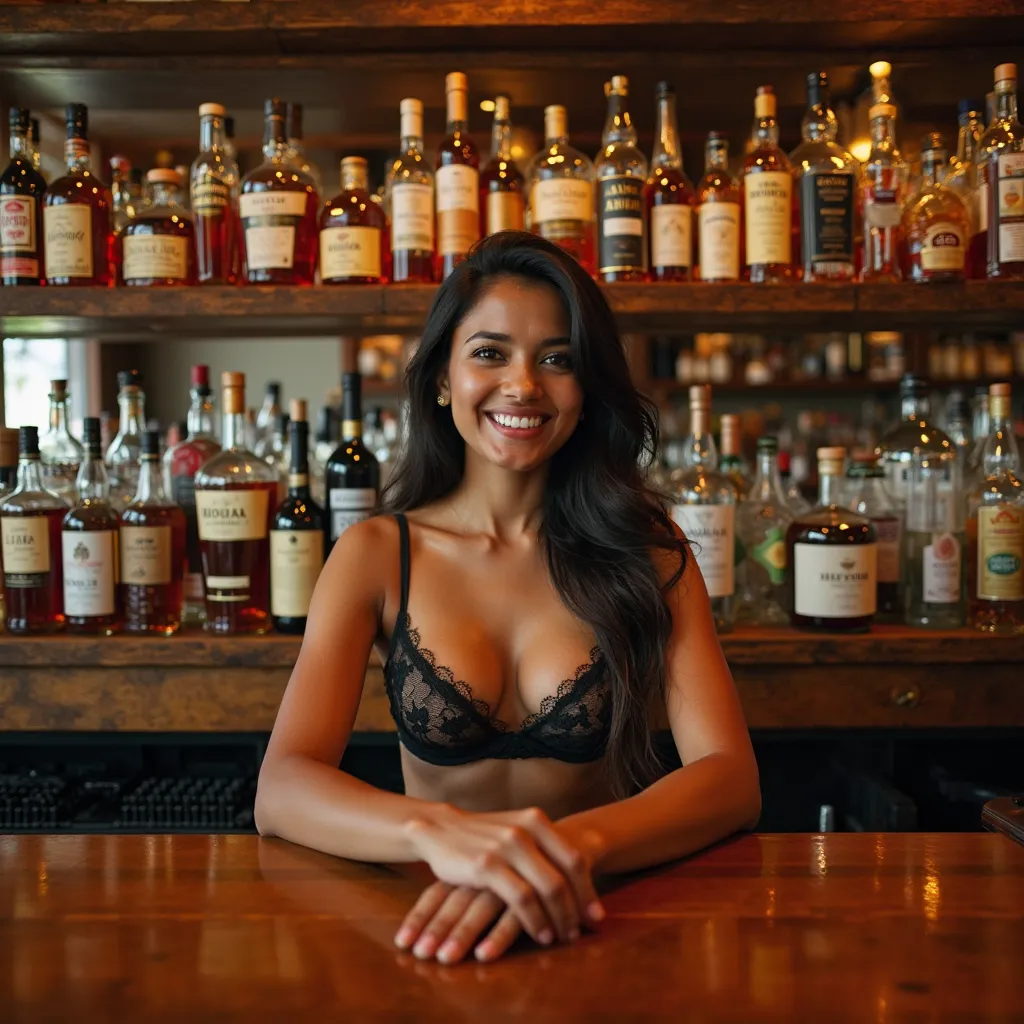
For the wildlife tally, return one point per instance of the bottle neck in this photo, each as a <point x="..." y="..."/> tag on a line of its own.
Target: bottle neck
<point x="233" y="430"/>
<point x="965" y="141"/>
<point x="21" y="146"/>
<point x="412" y="144"/>
<point x="819" y="123"/>
<point x="933" y="167"/>
<point x="828" y="489"/>
<point x="275" y="144"/>
<point x="716" y="155"/>
<point x="883" y="133"/>
<point x="915" y="407"/>
<point x="200" y="415"/>
<point x="765" y="132"/>
<point x="59" y="416"/>
<point x="76" y="154"/>
<point x="211" y="133"/>
<point x="1006" y="101"/>
<point x="92" y="481"/>
<point x="165" y="194"/>
<point x="767" y="483"/>
<point x="666" y="140"/>
<point x="456" y="116"/>
<point x="151" y="484"/>
<point x="133" y="412"/>
<point x="501" y="140"/>
<point x="619" y="125"/>
<point x="1001" y="453"/>
<point x="700" y="447"/>
<point x="298" y="470"/>
<point x="30" y="474"/>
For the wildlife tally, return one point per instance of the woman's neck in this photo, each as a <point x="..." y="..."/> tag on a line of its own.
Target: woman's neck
<point x="499" y="501"/>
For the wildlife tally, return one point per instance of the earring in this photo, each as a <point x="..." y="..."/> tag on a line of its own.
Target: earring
<point x="441" y="400"/>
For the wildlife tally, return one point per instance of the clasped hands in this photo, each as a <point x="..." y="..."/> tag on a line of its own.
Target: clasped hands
<point x="498" y="874"/>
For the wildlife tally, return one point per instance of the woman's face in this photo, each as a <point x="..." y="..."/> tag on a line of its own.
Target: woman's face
<point x="514" y="396"/>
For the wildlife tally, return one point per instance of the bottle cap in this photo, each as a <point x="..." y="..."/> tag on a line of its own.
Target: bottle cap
<point x="129" y="379"/>
<point x="8" y="446"/>
<point x="764" y="101"/>
<point x="58" y="388"/>
<point x="933" y="142"/>
<point x="619" y="85"/>
<point x="731" y="434"/>
<point x="817" y="87"/>
<point x="700" y="396"/>
<point x="881" y="110"/>
<point x="831" y="454"/>
<point x="1001" y="390"/>
<point x="664" y="90"/>
<point x="455" y="81"/>
<point x="28" y="440"/>
<point x="355" y="162"/>
<point x="411" y="106"/>
<point x="19" y="118"/>
<point x="163" y="176"/>
<point x="555" y="121"/>
<point x="965" y="107"/>
<point x="274" y="389"/>
<point x="211" y="110"/>
<point x="274" y="108"/>
<point x="76" y="120"/>
<point x="151" y="443"/>
<point x="297" y="410"/>
<point x="1006" y="73"/>
<point x="232" y="379"/>
<point x="200" y="376"/>
<point x="502" y="108"/>
<point x="91" y="431"/>
<point x="293" y="120"/>
<point x="880" y="69"/>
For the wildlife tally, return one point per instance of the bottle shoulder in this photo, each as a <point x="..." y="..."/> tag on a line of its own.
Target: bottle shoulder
<point x="92" y="514"/>
<point x="234" y="467"/>
<point x="822" y="156"/>
<point x="620" y="159"/>
<point x="19" y="177"/>
<point x="354" y="208"/>
<point x="23" y="502"/>
<point x="835" y="523"/>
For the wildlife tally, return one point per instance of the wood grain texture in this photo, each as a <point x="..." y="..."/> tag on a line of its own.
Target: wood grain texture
<point x="764" y="927"/>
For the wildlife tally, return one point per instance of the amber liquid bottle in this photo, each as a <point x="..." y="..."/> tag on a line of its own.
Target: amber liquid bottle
<point x="159" y="246"/>
<point x="89" y="545"/>
<point x="77" y="219"/>
<point x="22" y="190"/>
<point x="353" y="231"/>
<point x="719" y="215"/>
<point x="236" y="494"/>
<point x="501" y="184"/>
<point x="30" y="523"/>
<point x="457" y="181"/>
<point x="213" y="191"/>
<point x="410" y="196"/>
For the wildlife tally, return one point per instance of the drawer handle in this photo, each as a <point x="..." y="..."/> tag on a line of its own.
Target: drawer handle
<point x="908" y="698"/>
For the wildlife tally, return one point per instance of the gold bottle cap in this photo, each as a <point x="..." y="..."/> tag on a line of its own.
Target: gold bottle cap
<point x="999" y="400"/>
<point x="880" y="69"/>
<point x="731" y="434"/>
<point x="163" y="176"/>
<point x="354" y="173"/>
<point x="700" y="396"/>
<point x="297" y="410"/>
<point x="881" y="110"/>
<point x="830" y="461"/>
<point x="502" y="108"/>
<point x="8" y="446"/>
<point x="455" y="81"/>
<point x="1006" y="73"/>
<point x="211" y="110"/>
<point x="555" y="122"/>
<point x="619" y="85"/>
<point x="764" y="101"/>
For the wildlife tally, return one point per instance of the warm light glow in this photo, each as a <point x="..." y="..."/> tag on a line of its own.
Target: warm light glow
<point x="487" y="106"/>
<point x="861" y="149"/>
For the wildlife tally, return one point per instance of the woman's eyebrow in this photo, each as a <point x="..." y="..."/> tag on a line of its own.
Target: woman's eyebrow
<point x="498" y="336"/>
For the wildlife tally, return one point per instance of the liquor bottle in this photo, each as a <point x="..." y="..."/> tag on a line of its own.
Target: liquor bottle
<point x="181" y="462"/>
<point x="235" y="498"/>
<point x="352" y="476"/>
<point x="501" y="184"/>
<point x="826" y="176"/>
<point x="353" y="231"/>
<point x="995" y="528"/>
<point x="1001" y="160"/>
<point x="410" y="197"/>
<point x="883" y="189"/>
<point x="621" y="172"/>
<point x="963" y="177"/>
<point x="159" y="244"/>
<point x="731" y="462"/>
<point x="89" y="540"/>
<point x="936" y="226"/>
<point x="269" y="411"/>
<point x="669" y="198"/>
<point x="279" y="208"/>
<point x="297" y="537"/>
<point x="767" y="198"/>
<point x="762" y="520"/>
<point x="832" y="554"/>
<point x="60" y="454"/>
<point x="704" y="506"/>
<point x="719" y="215"/>
<point x="560" y="186"/>
<point x="30" y="522"/>
<point x="933" y="545"/>
<point x="457" y="179"/>
<point x="297" y="144"/>
<point x="153" y="551"/>
<point x="77" y="218"/>
<point x="22" y="193"/>
<point x="213" y="185"/>
<point x="123" y="454"/>
<point x="867" y="495"/>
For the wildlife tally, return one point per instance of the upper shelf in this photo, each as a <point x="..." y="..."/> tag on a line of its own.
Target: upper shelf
<point x="152" y="313"/>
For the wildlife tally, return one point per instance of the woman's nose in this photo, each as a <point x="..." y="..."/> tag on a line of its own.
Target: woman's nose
<point x="522" y="381"/>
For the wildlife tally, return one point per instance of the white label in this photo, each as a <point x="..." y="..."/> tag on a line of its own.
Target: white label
<point x="269" y="219"/>
<point x="68" y="231"/>
<point x="412" y="217"/>
<point x="883" y="213"/>
<point x="272" y="204"/>
<point x="26" y="545"/>
<point x="88" y="572"/>
<point x="943" y="247"/>
<point x="349" y="252"/>
<point x="1011" y="242"/>
<point x="671" y="235"/>
<point x="270" y="248"/>
<point x="769" y="206"/>
<point x="156" y="256"/>
<point x="349" y="505"/>
<point x="622" y="226"/>
<point x="718" y="228"/>
<point x="834" y="581"/>
<point x="941" y="570"/>
<point x="232" y="515"/>
<point x="146" y="555"/>
<point x="561" y="199"/>
<point x="296" y="558"/>
<point x="458" y="188"/>
<point x="711" y="530"/>
<point x="889" y="532"/>
<point x="18" y="223"/>
<point x="227" y="589"/>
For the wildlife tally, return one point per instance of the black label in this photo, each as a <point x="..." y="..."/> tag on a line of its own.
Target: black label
<point x="623" y="242"/>
<point x="184" y="493"/>
<point x="826" y="218"/>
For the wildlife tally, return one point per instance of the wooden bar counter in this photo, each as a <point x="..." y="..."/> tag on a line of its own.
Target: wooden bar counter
<point x="783" y="927"/>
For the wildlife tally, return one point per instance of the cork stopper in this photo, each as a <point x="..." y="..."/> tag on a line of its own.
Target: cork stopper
<point x="700" y="396"/>
<point x="555" y="122"/>
<point x="764" y="101"/>
<point x="502" y="108"/>
<point x="880" y="69"/>
<point x="297" y="410"/>
<point x="731" y="434"/>
<point x="200" y="376"/>
<point x="59" y="389"/>
<point x="999" y="401"/>
<point x="412" y="118"/>
<point x="8" y="446"/>
<point x="233" y="385"/>
<point x="211" y="110"/>
<point x="618" y="86"/>
<point x="455" y="89"/>
<point x="830" y="461"/>
<point x="1005" y="73"/>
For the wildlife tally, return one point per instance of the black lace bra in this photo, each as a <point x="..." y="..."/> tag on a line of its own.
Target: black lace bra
<point x="440" y="722"/>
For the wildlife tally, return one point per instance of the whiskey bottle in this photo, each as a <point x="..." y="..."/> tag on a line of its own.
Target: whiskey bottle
<point x="621" y="171"/>
<point x="30" y="526"/>
<point x="123" y="454"/>
<point x="352" y="476"/>
<point x="719" y="215"/>
<point x="669" y="198"/>
<point x="89" y="542"/>
<point x="501" y="184"/>
<point x="767" y="198"/>
<point x="59" y="453"/>
<point x="995" y="528"/>
<point x="22" y="193"/>
<point x="833" y="580"/>
<point x="353" y="231"/>
<point x="77" y="220"/>
<point x="279" y="208"/>
<point x="297" y="537"/>
<point x="213" y="188"/>
<point x="883" y="189"/>
<point x="159" y="244"/>
<point x="560" y="188"/>
<point x="235" y="499"/>
<point x="457" y="179"/>
<point x="153" y="551"/>
<point x="410" y="197"/>
<point x="297" y="144"/>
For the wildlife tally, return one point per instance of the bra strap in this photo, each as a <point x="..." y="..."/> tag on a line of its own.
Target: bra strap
<point x="403" y="553"/>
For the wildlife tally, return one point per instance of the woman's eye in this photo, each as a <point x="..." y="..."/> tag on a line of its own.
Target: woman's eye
<point x="560" y="359"/>
<point x="488" y="354"/>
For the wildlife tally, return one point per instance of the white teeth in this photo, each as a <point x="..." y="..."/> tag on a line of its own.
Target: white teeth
<point x="517" y="422"/>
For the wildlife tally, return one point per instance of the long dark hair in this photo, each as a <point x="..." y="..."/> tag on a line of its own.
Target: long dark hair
<point x="599" y="520"/>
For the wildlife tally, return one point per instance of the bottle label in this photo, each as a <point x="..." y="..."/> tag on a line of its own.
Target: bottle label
<point x="769" y="207"/>
<point x="89" y="572"/>
<point x="834" y="581"/>
<point x="155" y="256"/>
<point x="826" y="214"/>
<point x="889" y="532"/>
<point x="1000" y="553"/>
<point x="296" y="558"/>
<point x="770" y="554"/>
<point x="711" y="530"/>
<point x="942" y="248"/>
<point x="882" y="208"/>
<point x="349" y="252"/>
<point x="621" y="224"/>
<point x="68" y="231"/>
<point x="18" y="242"/>
<point x="941" y="570"/>
<point x="270" y="220"/>
<point x="349" y="505"/>
<point x="210" y="197"/>
<point x="718" y="226"/>
<point x="232" y="515"/>
<point x="228" y="589"/>
<point x="412" y="217"/>
<point x="504" y="211"/>
<point x="26" y="548"/>
<point x="1010" y="208"/>
<point x="554" y="200"/>
<point x="458" y="208"/>
<point x="145" y="555"/>
<point x="672" y="235"/>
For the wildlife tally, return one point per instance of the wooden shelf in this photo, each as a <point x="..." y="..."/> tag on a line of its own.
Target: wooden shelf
<point x="666" y="390"/>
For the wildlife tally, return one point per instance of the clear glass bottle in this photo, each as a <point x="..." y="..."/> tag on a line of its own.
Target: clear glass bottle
<point x="353" y="231"/>
<point x="22" y="194"/>
<point x="719" y="215"/>
<point x="501" y="184"/>
<point x="867" y="495"/>
<point x="158" y="246"/>
<point x="831" y="552"/>
<point x="213" y="188"/>
<point x="981" y="425"/>
<point x="934" y="545"/>
<point x="410" y="199"/>
<point x="883" y="190"/>
<point x="995" y="528"/>
<point x="958" y="425"/>
<point x="704" y="507"/>
<point x="296" y="134"/>
<point x="560" y="185"/>
<point x="762" y="520"/>
<point x="89" y="542"/>
<point x="797" y="503"/>
<point x="123" y="455"/>
<point x="826" y="180"/>
<point x="621" y="172"/>
<point x="60" y="453"/>
<point x="963" y="178"/>
<point x="265" y="419"/>
<point x="457" y="180"/>
<point x="732" y="463"/>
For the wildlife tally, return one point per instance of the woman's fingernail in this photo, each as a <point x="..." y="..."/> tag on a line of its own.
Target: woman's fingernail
<point x="484" y="951"/>
<point x="425" y="947"/>
<point x="546" y="937"/>
<point x="449" y="951"/>
<point x="595" y="911"/>
<point x="404" y="937"/>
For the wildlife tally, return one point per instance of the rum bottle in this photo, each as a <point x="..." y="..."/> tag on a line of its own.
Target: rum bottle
<point x="410" y="198"/>
<point x="213" y="189"/>
<point x="159" y="244"/>
<point x="59" y="452"/>
<point x="719" y="215"/>
<point x="501" y="184"/>
<point x="22" y="193"/>
<point x="457" y="179"/>
<point x="123" y="453"/>
<point x="353" y="231"/>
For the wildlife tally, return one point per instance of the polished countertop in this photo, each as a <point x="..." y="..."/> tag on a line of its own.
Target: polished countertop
<point x="865" y="927"/>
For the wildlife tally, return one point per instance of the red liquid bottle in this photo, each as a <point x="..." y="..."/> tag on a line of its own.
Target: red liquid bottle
<point x="158" y="247"/>
<point x="410" y="195"/>
<point x="22" y="191"/>
<point x="501" y="184"/>
<point x="353" y="231"/>
<point x="214" y="195"/>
